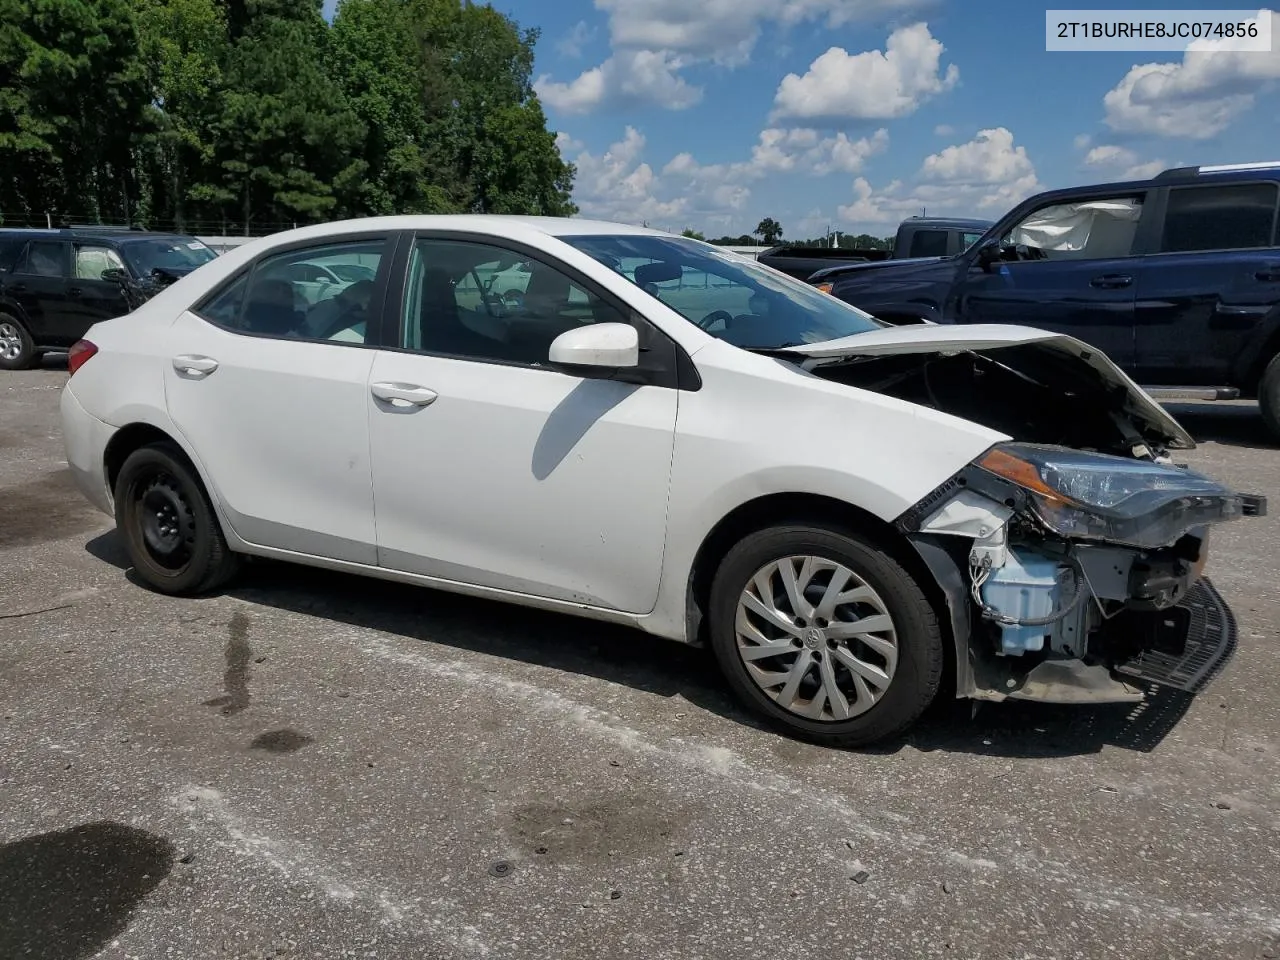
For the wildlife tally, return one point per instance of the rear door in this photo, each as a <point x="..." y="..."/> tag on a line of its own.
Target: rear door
<point x="38" y="284"/>
<point x="1070" y="267"/>
<point x="92" y="299"/>
<point x="278" y="417"/>
<point x="1210" y="283"/>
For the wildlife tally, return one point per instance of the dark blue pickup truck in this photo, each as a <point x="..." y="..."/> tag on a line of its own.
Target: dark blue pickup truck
<point x="1176" y="278"/>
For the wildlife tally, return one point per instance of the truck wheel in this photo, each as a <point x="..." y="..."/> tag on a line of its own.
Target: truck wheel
<point x="17" y="351"/>
<point x="824" y="635"/>
<point x="1269" y="396"/>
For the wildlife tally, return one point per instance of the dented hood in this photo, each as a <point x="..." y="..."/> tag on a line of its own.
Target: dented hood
<point x="988" y="339"/>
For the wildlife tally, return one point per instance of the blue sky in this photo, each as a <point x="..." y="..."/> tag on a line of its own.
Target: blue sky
<point x="855" y="113"/>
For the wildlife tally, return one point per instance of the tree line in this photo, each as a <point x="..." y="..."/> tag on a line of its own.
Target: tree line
<point x="246" y="116"/>
<point x="769" y="233"/>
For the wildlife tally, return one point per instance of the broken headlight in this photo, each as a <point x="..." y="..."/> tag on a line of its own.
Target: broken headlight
<point x="1093" y="496"/>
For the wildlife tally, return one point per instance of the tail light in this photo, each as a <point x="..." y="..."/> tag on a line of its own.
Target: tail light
<point x="80" y="351"/>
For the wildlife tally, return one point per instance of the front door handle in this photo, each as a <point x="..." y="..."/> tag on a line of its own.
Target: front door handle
<point x="1111" y="281"/>
<point x="403" y="393"/>
<point x="194" y="366"/>
<point x="75" y="291"/>
<point x="1268" y="275"/>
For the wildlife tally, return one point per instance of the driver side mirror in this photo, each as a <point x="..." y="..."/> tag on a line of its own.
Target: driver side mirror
<point x="596" y="350"/>
<point x="988" y="255"/>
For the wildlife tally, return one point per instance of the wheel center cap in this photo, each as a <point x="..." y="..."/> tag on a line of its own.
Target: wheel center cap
<point x="813" y="638"/>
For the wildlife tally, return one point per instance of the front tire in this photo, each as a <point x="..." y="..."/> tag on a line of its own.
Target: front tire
<point x="17" y="349"/>
<point x="170" y="530"/>
<point x="825" y="635"/>
<point x="1269" y="397"/>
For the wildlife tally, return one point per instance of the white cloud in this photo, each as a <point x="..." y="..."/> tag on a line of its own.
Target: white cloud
<point x="870" y="85"/>
<point x="1123" y="161"/>
<point x="638" y="76"/>
<point x="1083" y="140"/>
<point x="990" y="157"/>
<point x="984" y="177"/>
<point x="799" y="150"/>
<point x="666" y="36"/>
<point x="566" y="144"/>
<point x="572" y="43"/>
<point x="943" y="130"/>
<point x="1197" y="98"/>
<point x="620" y="186"/>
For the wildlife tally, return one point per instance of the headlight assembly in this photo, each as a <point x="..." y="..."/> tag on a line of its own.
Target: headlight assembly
<point x="1093" y="496"/>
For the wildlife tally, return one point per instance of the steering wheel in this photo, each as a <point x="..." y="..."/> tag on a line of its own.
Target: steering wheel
<point x="706" y="322"/>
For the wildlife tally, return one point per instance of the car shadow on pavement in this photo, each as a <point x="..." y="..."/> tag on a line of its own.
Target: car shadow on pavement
<point x="632" y="658"/>
<point x="1234" y="425"/>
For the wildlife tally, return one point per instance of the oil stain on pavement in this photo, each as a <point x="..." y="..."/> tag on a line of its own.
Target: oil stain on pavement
<point x="66" y="894"/>
<point x="280" y="741"/>
<point x="235" y="681"/>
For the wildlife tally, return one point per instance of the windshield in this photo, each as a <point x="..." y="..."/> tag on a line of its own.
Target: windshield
<point x="167" y="253"/>
<point x="729" y="296"/>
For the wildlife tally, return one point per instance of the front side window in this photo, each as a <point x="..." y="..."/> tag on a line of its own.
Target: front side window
<point x="274" y="300"/>
<point x="482" y="302"/>
<point x="731" y="297"/>
<point x="1099" y="229"/>
<point x="92" y="260"/>
<point x="1228" y="217"/>
<point x="45" y="258"/>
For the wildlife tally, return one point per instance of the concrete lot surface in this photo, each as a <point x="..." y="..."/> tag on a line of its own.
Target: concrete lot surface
<point x="320" y="766"/>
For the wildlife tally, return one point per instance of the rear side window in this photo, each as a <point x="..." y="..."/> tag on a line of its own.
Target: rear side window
<point x="929" y="243"/>
<point x="299" y="294"/>
<point x="1228" y="217"/>
<point x="45" y="258"/>
<point x="10" y="250"/>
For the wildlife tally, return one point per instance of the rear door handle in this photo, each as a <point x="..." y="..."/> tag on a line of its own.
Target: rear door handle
<point x="1269" y="275"/>
<point x="75" y="291"/>
<point x="1111" y="281"/>
<point x="194" y="366"/>
<point x="399" y="394"/>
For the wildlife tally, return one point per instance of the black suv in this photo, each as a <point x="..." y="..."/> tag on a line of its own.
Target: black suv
<point x="1176" y="278"/>
<point x="56" y="284"/>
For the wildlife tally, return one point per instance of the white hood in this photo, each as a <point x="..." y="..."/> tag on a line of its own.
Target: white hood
<point x="986" y="338"/>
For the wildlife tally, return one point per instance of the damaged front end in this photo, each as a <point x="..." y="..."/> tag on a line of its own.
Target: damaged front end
<point x="1081" y="572"/>
<point x="1071" y="555"/>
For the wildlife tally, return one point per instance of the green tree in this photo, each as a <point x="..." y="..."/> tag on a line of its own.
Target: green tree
<point x="182" y="43"/>
<point x="769" y="231"/>
<point x="286" y="139"/>
<point x="73" y="107"/>
<point x="692" y="234"/>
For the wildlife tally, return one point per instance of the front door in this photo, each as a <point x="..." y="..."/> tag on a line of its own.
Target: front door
<point x="280" y="417"/>
<point x="91" y="299"/>
<point x="491" y="469"/>
<point x="1069" y="268"/>
<point x="1210" y="284"/>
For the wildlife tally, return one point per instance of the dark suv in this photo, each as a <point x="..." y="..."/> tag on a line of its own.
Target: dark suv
<point x="1176" y="278"/>
<point x="56" y="284"/>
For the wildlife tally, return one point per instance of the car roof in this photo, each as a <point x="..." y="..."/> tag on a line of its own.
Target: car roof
<point x="90" y="233"/>
<point x="551" y="226"/>
<point x="945" y="222"/>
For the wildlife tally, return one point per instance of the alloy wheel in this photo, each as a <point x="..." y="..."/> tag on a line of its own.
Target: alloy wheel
<point x="816" y="638"/>
<point x="10" y="341"/>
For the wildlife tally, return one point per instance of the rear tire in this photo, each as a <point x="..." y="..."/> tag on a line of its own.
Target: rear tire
<point x="828" y="683"/>
<point x="1269" y="397"/>
<point x="17" y="349"/>
<point x="170" y="530"/>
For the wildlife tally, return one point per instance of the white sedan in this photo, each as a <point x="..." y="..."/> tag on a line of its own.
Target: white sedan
<point x="658" y="433"/>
